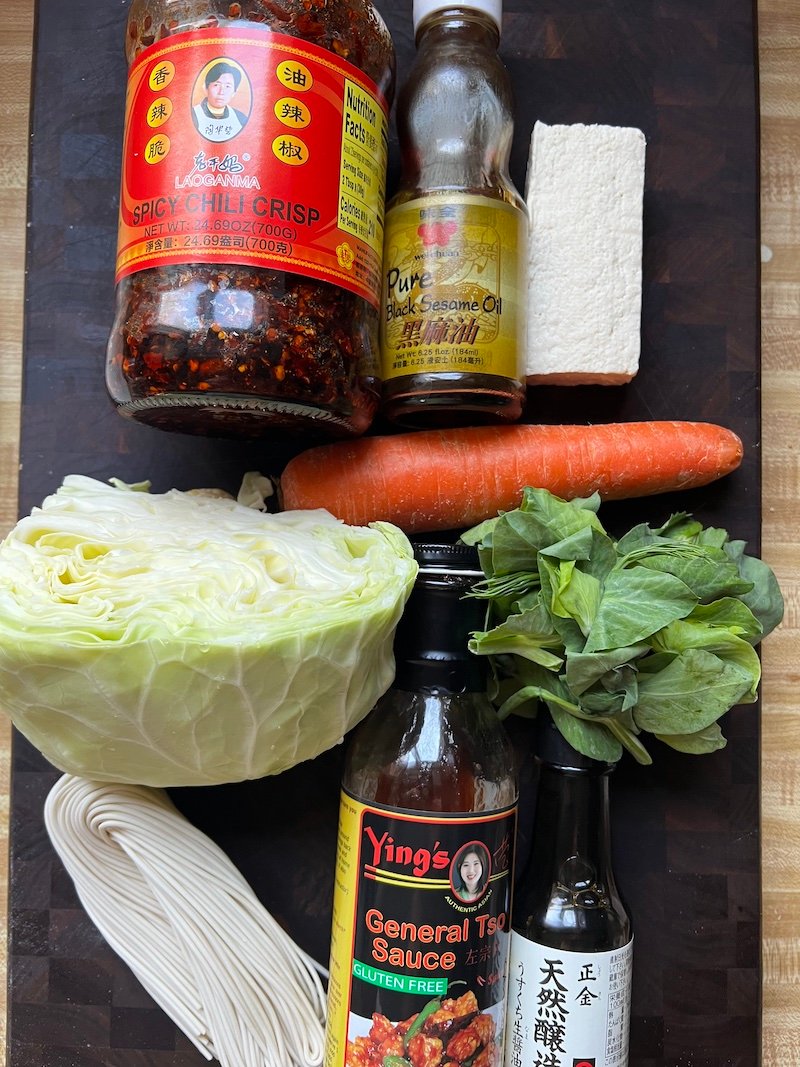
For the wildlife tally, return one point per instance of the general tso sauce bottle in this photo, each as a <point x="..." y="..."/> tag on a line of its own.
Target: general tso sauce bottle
<point x="251" y="216"/>
<point x="572" y="940"/>
<point x="453" y="306"/>
<point x="422" y="894"/>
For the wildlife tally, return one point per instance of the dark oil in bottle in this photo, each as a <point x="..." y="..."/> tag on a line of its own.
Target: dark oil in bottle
<point x="453" y="306"/>
<point x="572" y="939"/>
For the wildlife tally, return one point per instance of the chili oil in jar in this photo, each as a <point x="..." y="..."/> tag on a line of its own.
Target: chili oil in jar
<point x="251" y="217"/>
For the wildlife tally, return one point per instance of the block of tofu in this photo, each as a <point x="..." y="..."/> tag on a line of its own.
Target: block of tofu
<point x="584" y="190"/>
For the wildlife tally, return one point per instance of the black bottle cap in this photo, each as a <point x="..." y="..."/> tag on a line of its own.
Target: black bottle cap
<point x="552" y="748"/>
<point x="459" y="559"/>
<point x="432" y="636"/>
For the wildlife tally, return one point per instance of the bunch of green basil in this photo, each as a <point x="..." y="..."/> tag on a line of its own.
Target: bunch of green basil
<point x="652" y="633"/>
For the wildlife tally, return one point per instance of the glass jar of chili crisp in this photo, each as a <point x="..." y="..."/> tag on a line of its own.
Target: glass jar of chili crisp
<point x="251" y="217"/>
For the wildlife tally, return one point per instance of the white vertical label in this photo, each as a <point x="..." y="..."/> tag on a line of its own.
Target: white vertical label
<point x="567" y="1009"/>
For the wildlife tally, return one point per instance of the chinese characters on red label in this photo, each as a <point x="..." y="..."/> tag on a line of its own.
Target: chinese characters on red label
<point x="256" y="149"/>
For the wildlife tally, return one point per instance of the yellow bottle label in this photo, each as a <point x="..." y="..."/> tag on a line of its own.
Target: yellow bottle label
<point x="453" y="287"/>
<point x="420" y="933"/>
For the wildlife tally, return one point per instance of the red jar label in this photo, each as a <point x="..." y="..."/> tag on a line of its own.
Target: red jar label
<point x="419" y="945"/>
<point x="257" y="149"/>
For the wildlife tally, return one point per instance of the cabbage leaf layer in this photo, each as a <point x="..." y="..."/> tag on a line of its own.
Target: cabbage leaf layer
<point x="183" y="639"/>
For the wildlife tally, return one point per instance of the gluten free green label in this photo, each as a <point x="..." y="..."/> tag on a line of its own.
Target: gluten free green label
<point x="402" y="983"/>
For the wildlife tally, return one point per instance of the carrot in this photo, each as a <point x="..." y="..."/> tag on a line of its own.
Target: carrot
<point x="450" y="479"/>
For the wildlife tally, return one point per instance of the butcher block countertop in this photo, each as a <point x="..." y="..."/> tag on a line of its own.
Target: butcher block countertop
<point x="779" y="56"/>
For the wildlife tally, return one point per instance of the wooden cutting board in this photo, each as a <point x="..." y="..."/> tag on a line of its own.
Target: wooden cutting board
<point x="686" y="830"/>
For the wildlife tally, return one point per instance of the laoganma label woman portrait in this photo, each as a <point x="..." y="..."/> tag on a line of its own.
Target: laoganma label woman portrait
<point x="214" y="116"/>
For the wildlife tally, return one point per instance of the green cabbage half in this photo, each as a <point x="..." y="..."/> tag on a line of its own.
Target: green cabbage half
<point x="181" y="639"/>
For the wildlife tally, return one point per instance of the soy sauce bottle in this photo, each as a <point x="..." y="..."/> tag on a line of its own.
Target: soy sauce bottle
<point x="453" y="305"/>
<point x="572" y="939"/>
<point x="422" y="899"/>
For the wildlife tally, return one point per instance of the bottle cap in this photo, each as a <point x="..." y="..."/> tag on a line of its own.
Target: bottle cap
<point x="456" y="559"/>
<point x="423" y="8"/>
<point x="431" y="638"/>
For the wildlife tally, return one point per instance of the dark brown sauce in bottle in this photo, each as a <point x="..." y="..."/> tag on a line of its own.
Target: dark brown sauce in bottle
<point x="571" y="946"/>
<point x="421" y="912"/>
<point x="568" y="896"/>
<point x="434" y="742"/>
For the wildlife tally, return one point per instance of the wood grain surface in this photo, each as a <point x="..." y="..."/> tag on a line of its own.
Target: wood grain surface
<point x="16" y="36"/>
<point x="779" y="48"/>
<point x="779" y="54"/>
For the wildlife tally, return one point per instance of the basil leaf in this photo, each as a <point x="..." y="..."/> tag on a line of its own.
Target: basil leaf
<point x="480" y="534"/>
<point x="593" y="549"/>
<point x="576" y="546"/>
<point x="682" y="635"/>
<point x="709" y="575"/>
<point x="765" y="599"/>
<point x="606" y="704"/>
<point x="575" y="595"/>
<point x="653" y="632"/>
<point x="712" y="537"/>
<point x="525" y="701"/>
<point x="729" y="613"/>
<point x="555" y="513"/>
<point x="654" y="662"/>
<point x="522" y="635"/>
<point x="565" y="626"/>
<point x="542" y="520"/>
<point x="636" y="539"/>
<point x="680" y="525"/>
<point x="586" y="668"/>
<point x="514" y="544"/>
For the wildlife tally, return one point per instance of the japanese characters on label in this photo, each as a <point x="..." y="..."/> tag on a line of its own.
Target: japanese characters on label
<point x="567" y="1009"/>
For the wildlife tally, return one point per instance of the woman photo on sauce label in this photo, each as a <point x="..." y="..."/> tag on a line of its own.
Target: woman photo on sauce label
<point x="469" y="872"/>
<point x="220" y="83"/>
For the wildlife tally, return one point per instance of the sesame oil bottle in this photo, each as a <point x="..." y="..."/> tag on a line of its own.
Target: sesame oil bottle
<point x="452" y="313"/>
